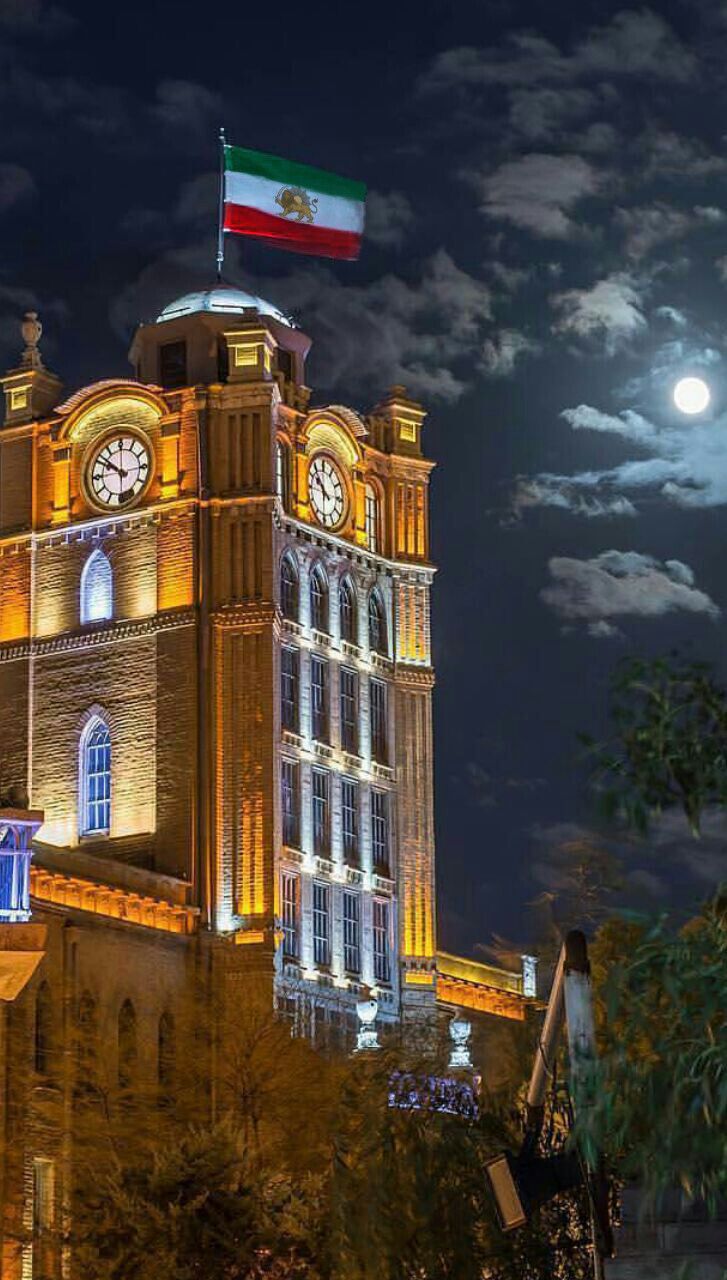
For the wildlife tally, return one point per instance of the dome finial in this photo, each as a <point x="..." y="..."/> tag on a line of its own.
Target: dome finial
<point x="32" y="331"/>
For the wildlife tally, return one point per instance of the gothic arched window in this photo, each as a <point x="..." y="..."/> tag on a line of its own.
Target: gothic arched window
<point x="371" y="514"/>
<point x="348" y="612"/>
<point x="127" y="1044"/>
<point x="97" y="588"/>
<point x="319" y="612"/>
<point x="166" y="1052"/>
<point x="377" y="624"/>
<point x="289" y="588"/>
<point x="95" y="789"/>
<point x="43" y="1030"/>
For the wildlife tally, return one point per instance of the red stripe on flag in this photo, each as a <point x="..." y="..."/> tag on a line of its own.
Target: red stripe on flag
<point x="301" y="237"/>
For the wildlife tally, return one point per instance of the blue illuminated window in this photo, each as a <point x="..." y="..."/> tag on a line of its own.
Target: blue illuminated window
<point x="97" y="588"/>
<point x="95" y="778"/>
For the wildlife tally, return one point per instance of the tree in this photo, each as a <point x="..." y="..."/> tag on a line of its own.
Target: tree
<point x="670" y="745"/>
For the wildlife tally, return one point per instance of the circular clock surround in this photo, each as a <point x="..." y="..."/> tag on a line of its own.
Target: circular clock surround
<point x="327" y="492"/>
<point x="118" y="470"/>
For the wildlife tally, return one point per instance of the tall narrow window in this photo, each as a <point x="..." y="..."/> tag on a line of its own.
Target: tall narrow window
<point x="289" y="689"/>
<point x="347" y="608"/>
<point x="173" y="364"/>
<point x="349" y="820"/>
<point x="321" y="923"/>
<point x="319" y="612"/>
<point x="43" y="1030"/>
<point x="289" y="589"/>
<point x="351" y="932"/>
<point x="282" y="474"/>
<point x="43" y="1216"/>
<point x="127" y="1044"/>
<point x="319" y="699"/>
<point x="321" y="812"/>
<point x="382" y="945"/>
<point x="380" y="831"/>
<point x="166" y="1053"/>
<point x="349" y="710"/>
<point x="97" y="588"/>
<point x="371" y="518"/>
<point x="290" y="798"/>
<point x="377" y="625"/>
<point x="95" y="778"/>
<point x="379" y="728"/>
<point x="291" y="915"/>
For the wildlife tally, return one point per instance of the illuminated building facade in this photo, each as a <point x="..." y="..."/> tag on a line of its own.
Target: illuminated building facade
<point x="215" y="673"/>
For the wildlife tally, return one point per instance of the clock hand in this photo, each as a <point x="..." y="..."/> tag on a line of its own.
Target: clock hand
<point x="119" y="470"/>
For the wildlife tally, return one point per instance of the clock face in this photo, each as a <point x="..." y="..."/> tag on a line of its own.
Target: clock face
<point x="119" y="471"/>
<point x="326" y="491"/>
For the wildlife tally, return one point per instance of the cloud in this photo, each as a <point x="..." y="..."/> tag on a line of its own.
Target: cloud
<point x="609" y="313"/>
<point x="34" y="17"/>
<point x="187" y="106"/>
<point x="651" y="225"/>
<point x="501" y="352"/>
<point x="670" y="155"/>
<point x="16" y="184"/>
<point x="622" y="583"/>
<point x="555" y="491"/>
<point x="540" y="114"/>
<point x="426" y="331"/>
<point x="634" y="43"/>
<point x="388" y="218"/>
<point x="511" y="278"/>
<point x="537" y="192"/>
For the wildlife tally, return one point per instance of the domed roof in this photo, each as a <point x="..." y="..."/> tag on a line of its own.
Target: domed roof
<point x="223" y="299"/>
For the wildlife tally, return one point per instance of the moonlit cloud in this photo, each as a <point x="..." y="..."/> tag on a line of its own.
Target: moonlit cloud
<point x="609" y="313"/>
<point x="501" y="353"/>
<point x="388" y="217"/>
<point x="616" y="584"/>
<point x="538" y="192"/>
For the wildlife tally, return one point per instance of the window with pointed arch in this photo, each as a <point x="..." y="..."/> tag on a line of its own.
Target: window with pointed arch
<point x="378" y="641"/>
<point x="289" y="588"/>
<point x="127" y="1044"/>
<point x="95" y="769"/>
<point x="371" y="518"/>
<point x="97" y="588"/>
<point x="348" y="612"/>
<point x="319" y="611"/>
<point x="282" y="473"/>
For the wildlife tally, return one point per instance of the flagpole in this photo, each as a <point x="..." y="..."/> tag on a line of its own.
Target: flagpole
<point x="221" y="210"/>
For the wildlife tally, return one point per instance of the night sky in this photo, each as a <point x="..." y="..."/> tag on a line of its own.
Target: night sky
<point x="546" y="252"/>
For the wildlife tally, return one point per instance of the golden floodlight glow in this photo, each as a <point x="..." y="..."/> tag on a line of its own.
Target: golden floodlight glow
<point x="691" y="395"/>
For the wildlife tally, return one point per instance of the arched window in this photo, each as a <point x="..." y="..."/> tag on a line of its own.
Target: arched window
<point x="166" y="1052"/>
<point x="282" y="473"/>
<point x="95" y="786"/>
<point x="319" y="613"/>
<point x="377" y="624"/>
<point x="97" y="588"/>
<point x="348" y="611"/>
<point x="87" y="1041"/>
<point x="289" y="588"/>
<point x="371" y="515"/>
<point x="43" y="1030"/>
<point x="127" y="1044"/>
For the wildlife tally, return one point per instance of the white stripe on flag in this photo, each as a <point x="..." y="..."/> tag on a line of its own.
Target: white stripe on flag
<point x="259" y="193"/>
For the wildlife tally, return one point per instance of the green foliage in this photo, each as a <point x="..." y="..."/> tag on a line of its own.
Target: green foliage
<point x="670" y="745"/>
<point x="661" y="1105"/>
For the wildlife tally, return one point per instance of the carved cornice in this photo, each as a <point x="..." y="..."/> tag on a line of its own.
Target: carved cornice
<point x="244" y="616"/>
<point x="413" y="677"/>
<point x="131" y="629"/>
<point x="77" y="894"/>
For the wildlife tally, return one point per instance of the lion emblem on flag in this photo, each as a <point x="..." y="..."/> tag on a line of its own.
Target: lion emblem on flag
<point x="296" y="203"/>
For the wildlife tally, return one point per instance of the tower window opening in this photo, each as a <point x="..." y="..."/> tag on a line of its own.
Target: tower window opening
<point x="96" y="778"/>
<point x="349" y="710"/>
<point x="321" y="813"/>
<point x="349" y="820"/>
<point x="173" y="365"/>
<point x="380" y="832"/>
<point x="286" y="364"/>
<point x="347" y="609"/>
<point x="351" y="932"/>
<point x="282" y="474"/>
<point x="378" y="641"/>
<point x="379" y="725"/>
<point x="97" y="588"/>
<point x="319" y="612"/>
<point x="321" y="923"/>
<point x="319" y="699"/>
<point x="382" y="943"/>
<point x="289" y="690"/>
<point x="371" y="518"/>
<point x="289" y="588"/>
<point x="290" y="803"/>
<point x="291" y="915"/>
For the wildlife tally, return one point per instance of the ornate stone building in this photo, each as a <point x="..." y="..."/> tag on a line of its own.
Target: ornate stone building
<point x="216" y="682"/>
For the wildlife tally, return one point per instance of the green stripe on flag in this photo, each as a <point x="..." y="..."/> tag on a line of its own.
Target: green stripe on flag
<point x="241" y="160"/>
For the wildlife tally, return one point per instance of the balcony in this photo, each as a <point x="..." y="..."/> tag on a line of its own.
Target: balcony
<point x="17" y="828"/>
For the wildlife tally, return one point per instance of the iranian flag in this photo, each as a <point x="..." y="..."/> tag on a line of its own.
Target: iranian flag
<point x="292" y="205"/>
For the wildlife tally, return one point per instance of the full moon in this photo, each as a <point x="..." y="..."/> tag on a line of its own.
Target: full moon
<point x="691" y="395"/>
